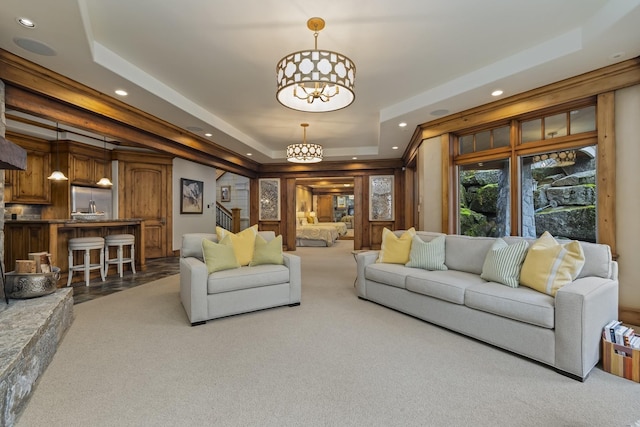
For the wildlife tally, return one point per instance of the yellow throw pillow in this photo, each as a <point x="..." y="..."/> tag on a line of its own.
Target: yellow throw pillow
<point x="310" y="219"/>
<point x="267" y="252"/>
<point x="395" y="250"/>
<point x="218" y="256"/>
<point x="243" y="242"/>
<point x="550" y="265"/>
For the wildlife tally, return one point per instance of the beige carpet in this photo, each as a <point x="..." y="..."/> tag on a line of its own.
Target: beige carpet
<point x="131" y="359"/>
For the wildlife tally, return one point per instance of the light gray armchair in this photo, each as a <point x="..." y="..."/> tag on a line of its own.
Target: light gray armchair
<point x="240" y="290"/>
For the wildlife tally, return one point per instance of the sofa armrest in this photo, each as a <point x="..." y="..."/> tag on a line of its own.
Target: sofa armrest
<point x="362" y="260"/>
<point x="582" y="309"/>
<point x="292" y="262"/>
<point x="193" y="289"/>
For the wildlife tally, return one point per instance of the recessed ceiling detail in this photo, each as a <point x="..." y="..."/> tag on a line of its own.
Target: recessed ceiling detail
<point x="34" y="46"/>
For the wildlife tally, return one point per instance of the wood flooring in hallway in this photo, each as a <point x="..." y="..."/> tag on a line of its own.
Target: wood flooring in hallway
<point x="155" y="269"/>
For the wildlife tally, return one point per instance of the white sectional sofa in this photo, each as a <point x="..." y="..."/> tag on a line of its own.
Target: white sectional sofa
<point x="240" y="290"/>
<point x="563" y="332"/>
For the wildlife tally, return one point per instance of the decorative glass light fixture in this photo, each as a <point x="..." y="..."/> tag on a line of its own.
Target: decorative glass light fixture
<point x="304" y="153"/>
<point x="315" y="80"/>
<point x="104" y="181"/>
<point x="57" y="174"/>
<point x="555" y="159"/>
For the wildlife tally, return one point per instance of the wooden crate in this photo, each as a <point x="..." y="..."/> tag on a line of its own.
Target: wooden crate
<point x="619" y="364"/>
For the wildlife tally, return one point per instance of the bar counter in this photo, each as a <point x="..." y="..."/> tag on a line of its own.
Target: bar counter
<point x="23" y="236"/>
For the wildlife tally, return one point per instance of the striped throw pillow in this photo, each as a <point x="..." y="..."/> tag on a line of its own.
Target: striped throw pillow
<point x="503" y="262"/>
<point x="550" y="265"/>
<point x="427" y="255"/>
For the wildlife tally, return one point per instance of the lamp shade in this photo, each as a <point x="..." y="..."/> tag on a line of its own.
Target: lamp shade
<point x="315" y="80"/>
<point x="304" y="153"/>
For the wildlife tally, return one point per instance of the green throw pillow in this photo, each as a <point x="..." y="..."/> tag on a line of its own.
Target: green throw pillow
<point x="219" y="256"/>
<point x="267" y="252"/>
<point x="427" y="255"/>
<point x="503" y="262"/>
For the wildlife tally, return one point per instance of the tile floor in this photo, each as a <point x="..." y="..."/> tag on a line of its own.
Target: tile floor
<point x="155" y="269"/>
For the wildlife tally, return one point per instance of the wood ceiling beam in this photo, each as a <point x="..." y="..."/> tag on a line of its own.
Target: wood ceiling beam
<point x="23" y="75"/>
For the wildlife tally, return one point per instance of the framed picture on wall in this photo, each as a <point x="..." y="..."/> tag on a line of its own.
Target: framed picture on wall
<point x="225" y="193"/>
<point x="381" y="203"/>
<point x="191" y="196"/>
<point x="269" y="193"/>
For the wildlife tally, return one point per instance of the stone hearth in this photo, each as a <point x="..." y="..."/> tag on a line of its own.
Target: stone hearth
<point x="30" y="332"/>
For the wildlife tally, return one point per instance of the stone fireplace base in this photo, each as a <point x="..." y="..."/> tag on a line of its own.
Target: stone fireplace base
<point x="30" y="332"/>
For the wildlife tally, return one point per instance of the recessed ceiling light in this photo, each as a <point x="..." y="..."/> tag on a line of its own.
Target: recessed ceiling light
<point x="497" y="92"/>
<point x="26" y="22"/>
<point x="354" y="158"/>
<point x="402" y="124"/>
<point x="208" y="134"/>
<point x="249" y="154"/>
<point x="346" y="185"/>
<point x="394" y="148"/>
<point x="121" y="92"/>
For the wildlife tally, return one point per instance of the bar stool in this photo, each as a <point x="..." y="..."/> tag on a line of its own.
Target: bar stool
<point x="120" y="240"/>
<point x="86" y="244"/>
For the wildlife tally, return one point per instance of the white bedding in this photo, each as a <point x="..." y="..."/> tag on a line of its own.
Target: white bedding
<point x="341" y="227"/>
<point x="316" y="235"/>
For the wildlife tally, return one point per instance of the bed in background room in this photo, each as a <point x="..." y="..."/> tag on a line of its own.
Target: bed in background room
<point x="315" y="235"/>
<point x="312" y="220"/>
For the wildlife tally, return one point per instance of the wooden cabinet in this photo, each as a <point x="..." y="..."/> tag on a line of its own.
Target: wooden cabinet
<point x="325" y="209"/>
<point x="87" y="165"/>
<point x="21" y="239"/>
<point x="31" y="185"/>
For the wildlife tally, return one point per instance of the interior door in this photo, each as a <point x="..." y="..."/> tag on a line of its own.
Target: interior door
<point x="325" y="209"/>
<point x="148" y="195"/>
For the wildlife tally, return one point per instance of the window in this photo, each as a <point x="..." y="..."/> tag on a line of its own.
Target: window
<point x="556" y="189"/>
<point x="558" y="194"/>
<point x="572" y="122"/>
<point x="484" y="199"/>
<point x="484" y="140"/>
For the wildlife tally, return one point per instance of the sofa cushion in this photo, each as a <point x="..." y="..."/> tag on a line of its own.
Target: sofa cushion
<point x="550" y="265"/>
<point x="395" y="250"/>
<point x="267" y="252"/>
<point x="427" y="255"/>
<point x="503" y="262"/>
<point x="247" y="277"/>
<point x="388" y="274"/>
<point x="522" y="304"/>
<point x="243" y="242"/>
<point x="445" y="285"/>
<point x="192" y="244"/>
<point x="597" y="260"/>
<point x="466" y="253"/>
<point x="218" y="256"/>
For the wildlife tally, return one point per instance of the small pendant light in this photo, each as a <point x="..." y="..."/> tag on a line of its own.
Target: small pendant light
<point x="104" y="181"/>
<point x="57" y="174"/>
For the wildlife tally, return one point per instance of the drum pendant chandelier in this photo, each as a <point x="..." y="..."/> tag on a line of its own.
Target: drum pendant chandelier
<point x="313" y="80"/>
<point x="304" y="153"/>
